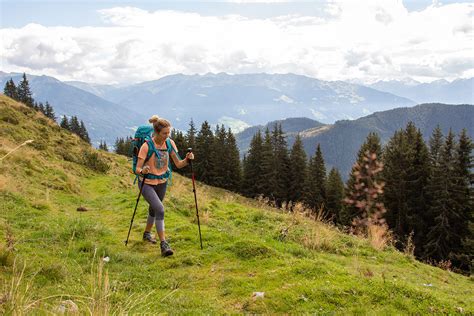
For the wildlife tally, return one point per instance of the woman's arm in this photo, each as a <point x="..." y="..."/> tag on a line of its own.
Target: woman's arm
<point x="141" y="160"/>
<point x="180" y="163"/>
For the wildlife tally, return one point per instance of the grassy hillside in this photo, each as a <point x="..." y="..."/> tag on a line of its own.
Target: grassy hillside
<point x="52" y="256"/>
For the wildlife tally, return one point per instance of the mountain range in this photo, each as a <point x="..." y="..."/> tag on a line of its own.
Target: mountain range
<point x="455" y="92"/>
<point x="104" y="120"/>
<point x="245" y="100"/>
<point x="238" y="101"/>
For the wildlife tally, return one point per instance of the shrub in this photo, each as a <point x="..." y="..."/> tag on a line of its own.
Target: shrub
<point x="94" y="161"/>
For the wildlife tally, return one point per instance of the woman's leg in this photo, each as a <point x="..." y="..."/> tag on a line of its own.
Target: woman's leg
<point x="156" y="207"/>
<point x="151" y="214"/>
<point x="150" y="220"/>
<point x="160" y="190"/>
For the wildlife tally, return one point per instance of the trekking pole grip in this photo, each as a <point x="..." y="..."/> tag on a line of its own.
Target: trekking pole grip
<point x="190" y="150"/>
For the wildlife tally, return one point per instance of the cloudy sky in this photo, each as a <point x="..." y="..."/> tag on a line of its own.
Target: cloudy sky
<point x="134" y="41"/>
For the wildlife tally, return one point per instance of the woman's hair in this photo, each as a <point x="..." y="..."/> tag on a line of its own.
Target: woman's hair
<point x="159" y="123"/>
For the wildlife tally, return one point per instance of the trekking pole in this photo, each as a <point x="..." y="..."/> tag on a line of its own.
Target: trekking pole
<point x="136" y="205"/>
<point x="195" y="198"/>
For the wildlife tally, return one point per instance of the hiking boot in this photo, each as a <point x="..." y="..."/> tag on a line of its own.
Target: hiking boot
<point x="165" y="249"/>
<point x="148" y="237"/>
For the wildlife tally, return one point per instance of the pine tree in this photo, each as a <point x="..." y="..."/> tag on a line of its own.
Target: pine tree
<point x="204" y="164"/>
<point x="406" y="172"/>
<point x="122" y="146"/>
<point x="252" y="165"/>
<point x="297" y="173"/>
<point x="282" y="166"/>
<point x="365" y="195"/>
<point x="267" y="180"/>
<point x="103" y="146"/>
<point x="75" y="126"/>
<point x="418" y="200"/>
<point x="24" y="92"/>
<point x="40" y="107"/>
<point x="191" y="135"/>
<point x="464" y="198"/>
<point x="83" y="133"/>
<point x="334" y="195"/>
<point x="65" y="123"/>
<point x="372" y="144"/>
<point x="118" y="145"/>
<point x="49" y="111"/>
<point x="218" y="172"/>
<point x="315" y="195"/>
<point x="233" y="168"/>
<point x="10" y="90"/>
<point x="443" y="240"/>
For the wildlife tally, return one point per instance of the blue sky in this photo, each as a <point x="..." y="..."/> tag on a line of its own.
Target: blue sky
<point x="17" y="13"/>
<point x="131" y="41"/>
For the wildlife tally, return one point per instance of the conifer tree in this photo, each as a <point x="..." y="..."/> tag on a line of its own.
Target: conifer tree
<point x="65" y="123"/>
<point x="123" y="146"/>
<point x="204" y="164"/>
<point x="10" y="89"/>
<point x="282" y="166"/>
<point x="406" y="172"/>
<point x="334" y="195"/>
<point x="83" y="133"/>
<point x="49" y="111"/>
<point x="191" y="135"/>
<point x="75" y="126"/>
<point x="252" y="184"/>
<point x="372" y="144"/>
<point x="218" y="172"/>
<point x="103" y="146"/>
<point x="443" y="239"/>
<point x="233" y="169"/>
<point x="24" y="92"/>
<point x="315" y="195"/>
<point x="40" y="107"/>
<point x="464" y="198"/>
<point x="268" y="176"/>
<point x="297" y="171"/>
<point x="365" y="195"/>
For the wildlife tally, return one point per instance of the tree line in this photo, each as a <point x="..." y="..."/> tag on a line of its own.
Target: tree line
<point x="77" y="128"/>
<point x="22" y="93"/>
<point x="422" y="192"/>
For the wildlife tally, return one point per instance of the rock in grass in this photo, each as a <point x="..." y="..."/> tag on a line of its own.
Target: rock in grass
<point x="82" y="209"/>
<point x="257" y="295"/>
<point x="67" y="307"/>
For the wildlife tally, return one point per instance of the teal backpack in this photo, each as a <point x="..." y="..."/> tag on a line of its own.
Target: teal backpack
<point x="143" y="135"/>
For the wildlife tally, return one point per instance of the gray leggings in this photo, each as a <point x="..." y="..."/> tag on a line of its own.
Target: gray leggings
<point x="154" y="195"/>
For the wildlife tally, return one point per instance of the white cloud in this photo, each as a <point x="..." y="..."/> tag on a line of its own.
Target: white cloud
<point x="235" y="124"/>
<point x="284" y="98"/>
<point x="369" y="40"/>
<point x="318" y="115"/>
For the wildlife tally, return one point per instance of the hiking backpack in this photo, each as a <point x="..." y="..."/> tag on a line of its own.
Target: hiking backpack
<point x="143" y="135"/>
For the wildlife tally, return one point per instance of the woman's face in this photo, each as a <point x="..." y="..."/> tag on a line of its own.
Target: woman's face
<point x="164" y="133"/>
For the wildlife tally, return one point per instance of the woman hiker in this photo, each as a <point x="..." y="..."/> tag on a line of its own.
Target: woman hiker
<point x="154" y="189"/>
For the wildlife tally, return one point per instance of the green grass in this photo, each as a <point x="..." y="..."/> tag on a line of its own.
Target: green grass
<point x="53" y="253"/>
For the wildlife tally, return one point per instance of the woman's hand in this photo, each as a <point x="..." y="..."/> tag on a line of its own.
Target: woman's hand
<point x="189" y="156"/>
<point x="145" y="170"/>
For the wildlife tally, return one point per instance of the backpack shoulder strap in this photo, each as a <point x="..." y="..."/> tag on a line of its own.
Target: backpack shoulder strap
<point x="151" y="148"/>
<point x="170" y="148"/>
